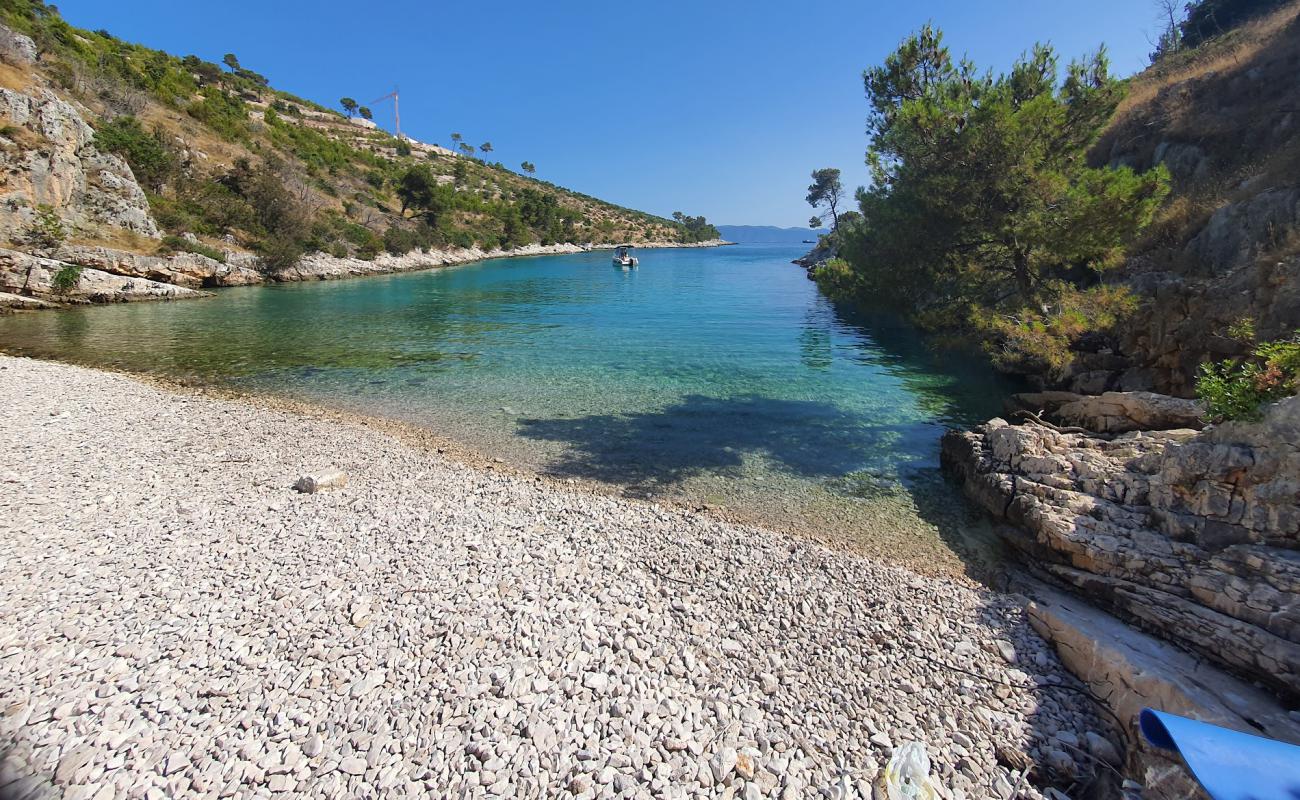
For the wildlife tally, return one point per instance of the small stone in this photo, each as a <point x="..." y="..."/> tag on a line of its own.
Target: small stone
<point x="313" y="746"/>
<point x="1061" y="763"/>
<point x="723" y="762"/>
<point x="580" y="784"/>
<point x="1102" y="749"/>
<point x="175" y="763"/>
<point x="353" y="765"/>
<point x="746" y="762"/>
<point x="1006" y="650"/>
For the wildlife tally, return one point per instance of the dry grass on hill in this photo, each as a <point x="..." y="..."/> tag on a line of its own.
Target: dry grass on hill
<point x="1232" y="107"/>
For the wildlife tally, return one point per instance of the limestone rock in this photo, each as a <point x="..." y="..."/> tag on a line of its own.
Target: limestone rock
<point x="183" y="269"/>
<point x="1120" y="412"/>
<point x="1131" y="670"/>
<point x="15" y="48"/>
<point x="1193" y="536"/>
<point x="30" y="275"/>
<point x="88" y="189"/>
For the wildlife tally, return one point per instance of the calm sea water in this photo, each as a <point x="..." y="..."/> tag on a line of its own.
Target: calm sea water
<point x="718" y="376"/>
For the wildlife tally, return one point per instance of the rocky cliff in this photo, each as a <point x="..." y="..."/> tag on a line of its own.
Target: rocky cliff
<point x="48" y="158"/>
<point x="1224" y="120"/>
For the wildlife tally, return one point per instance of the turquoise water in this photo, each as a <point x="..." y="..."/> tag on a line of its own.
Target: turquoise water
<point x="715" y="375"/>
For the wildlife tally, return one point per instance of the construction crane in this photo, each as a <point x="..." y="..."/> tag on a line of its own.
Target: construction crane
<point x="397" y="116"/>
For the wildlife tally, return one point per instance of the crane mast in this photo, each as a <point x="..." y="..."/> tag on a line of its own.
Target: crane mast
<point x="397" y="114"/>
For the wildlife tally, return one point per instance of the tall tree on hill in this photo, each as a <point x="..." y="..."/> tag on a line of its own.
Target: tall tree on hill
<point x="365" y="113"/>
<point x="528" y="167"/>
<point x="349" y="106"/>
<point x="467" y="149"/>
<point x="486" y="147"/>
<point x="230" y="61"/>
<point x="826" y="191"/>
<point x="420" y="192"/>
<point x="456" y="140"/>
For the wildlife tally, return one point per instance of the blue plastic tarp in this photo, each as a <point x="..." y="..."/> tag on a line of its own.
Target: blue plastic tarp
<point x="1228" y="764"/>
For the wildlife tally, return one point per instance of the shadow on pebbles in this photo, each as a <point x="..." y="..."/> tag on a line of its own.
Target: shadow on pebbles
<point x="176" y="621"/>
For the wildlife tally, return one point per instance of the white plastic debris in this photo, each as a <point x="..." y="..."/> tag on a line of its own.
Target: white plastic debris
<point x="907" y="775"/>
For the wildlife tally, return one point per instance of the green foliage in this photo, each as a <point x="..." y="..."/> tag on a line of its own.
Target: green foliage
<point x="66" y="279"/>
<point x="153" y="159"/>
<point x="221" y="111"/>
<point x="400" y="240"/>
<point x="694" y="229"/>
<point x="403" y="149"/>
<point x="419" y="191"/>
<point x="1236" y="389"/>
<point x="179" y="244"/>
<point x="316" y="150"/>
<point x="528" y="167"/>
<point x="826" y="191"/>
<point x="281" y="224"/>
<point x="983" y="213"/>
<point x="349" y="105"/>
<point x="1037" y="339"/>
<point x="45" y="231"/>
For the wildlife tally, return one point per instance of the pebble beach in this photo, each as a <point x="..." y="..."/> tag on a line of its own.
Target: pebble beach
<point x="176" y="620"/>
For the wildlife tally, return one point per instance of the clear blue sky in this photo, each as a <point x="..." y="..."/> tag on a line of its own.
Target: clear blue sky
<point x="715" y="107"/>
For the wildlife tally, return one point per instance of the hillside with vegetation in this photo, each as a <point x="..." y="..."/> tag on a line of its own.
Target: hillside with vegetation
<point x="230" y="165"/>
<point x="1090" y="232"/>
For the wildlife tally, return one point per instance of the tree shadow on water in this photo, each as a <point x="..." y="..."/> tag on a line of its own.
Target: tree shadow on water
<point x="710" y="435"/>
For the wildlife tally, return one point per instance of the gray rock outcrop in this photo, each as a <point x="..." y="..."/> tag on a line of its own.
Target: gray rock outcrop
<point x="1120" y="412"/>
<point x="1132" y="670"/>
<point x="16" y="48"/>
<point x="183" y="269"/>
<point x="50" y="159"/>
<point x="1195" y="537"/>
<point x="33" y="276"/>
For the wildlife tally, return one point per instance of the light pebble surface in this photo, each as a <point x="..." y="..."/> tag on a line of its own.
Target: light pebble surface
<point x="176" y="621"/>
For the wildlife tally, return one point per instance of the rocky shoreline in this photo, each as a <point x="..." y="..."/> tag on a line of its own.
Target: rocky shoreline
<point x="1191" y="537"/>
<point x="176" y="619"/>
<point x="107" y="275"/>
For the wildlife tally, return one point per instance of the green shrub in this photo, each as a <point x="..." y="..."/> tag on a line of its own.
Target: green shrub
<point x="400" y="241"/>
<point x="45" y="231"/>
<point x="66" y="279"/>
<point x="1235" y="389"/>
<point x="152" y="158"/>
<point x="179" y="244"/>
<point x="222" y="111"/>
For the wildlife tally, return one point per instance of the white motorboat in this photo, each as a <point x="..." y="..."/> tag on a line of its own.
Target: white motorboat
<point x="623" y="257"/>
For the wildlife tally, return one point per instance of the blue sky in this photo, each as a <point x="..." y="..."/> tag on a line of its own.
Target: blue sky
<point x="718" y="108"/>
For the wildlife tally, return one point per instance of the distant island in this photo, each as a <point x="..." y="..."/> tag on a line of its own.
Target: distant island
<point x="746" y="234"/>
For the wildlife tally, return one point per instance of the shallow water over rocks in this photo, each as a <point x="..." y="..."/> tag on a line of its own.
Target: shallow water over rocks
<point x="715" y="376"/>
